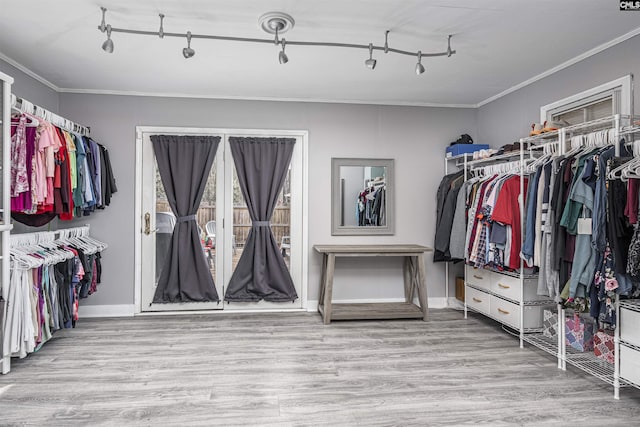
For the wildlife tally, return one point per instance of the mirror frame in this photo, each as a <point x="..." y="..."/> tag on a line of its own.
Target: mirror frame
<point x="341" y="230"/>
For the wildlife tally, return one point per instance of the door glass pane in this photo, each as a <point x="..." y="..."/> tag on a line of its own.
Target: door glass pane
<point x="206" y="218"/>
<point x="584" y="113"/>
<point x="280" y="221"/>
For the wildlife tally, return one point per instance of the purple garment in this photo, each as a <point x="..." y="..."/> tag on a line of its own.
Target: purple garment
<point x="22" y="202"/>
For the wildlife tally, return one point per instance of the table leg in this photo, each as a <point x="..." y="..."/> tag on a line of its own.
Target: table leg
<point x="323" y="276"/>
<point x="422" y="286"/>
<point x="407" y="273"/>
<point x="328" y="288"/>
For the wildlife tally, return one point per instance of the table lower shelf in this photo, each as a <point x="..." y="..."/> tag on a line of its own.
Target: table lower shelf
<point x="367" y="311"/>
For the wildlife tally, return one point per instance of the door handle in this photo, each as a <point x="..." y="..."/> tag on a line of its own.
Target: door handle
<point x="147" y="224"/>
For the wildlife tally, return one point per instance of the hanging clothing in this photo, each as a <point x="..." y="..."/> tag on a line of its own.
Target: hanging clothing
<point x="459" y="225"/>
<point x="42" y="300"/>
<point x="507" y="211"/>
<point x="449" y="194"/>
<point x="52" y="175"/>
<point x="444" y="227"/>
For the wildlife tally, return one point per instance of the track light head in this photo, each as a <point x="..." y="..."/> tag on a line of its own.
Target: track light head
<point x="187" y="52"/>
<point x="419" y="66"/>
<point x="107" y="46"/>
<point x="370" y="63"/>
<point x="282" y="57"/>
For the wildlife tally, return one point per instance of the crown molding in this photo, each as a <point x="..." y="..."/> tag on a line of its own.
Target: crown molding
<point x="271" y="99"/>
<point x="28" y="72"/>
<point x="562" y="66"/>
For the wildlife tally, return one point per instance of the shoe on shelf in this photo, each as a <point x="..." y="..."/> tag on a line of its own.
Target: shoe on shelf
<point x="550" y="126"/>
<point x="536" y="129"/>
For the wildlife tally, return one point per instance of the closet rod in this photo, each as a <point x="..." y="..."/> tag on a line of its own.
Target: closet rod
<point x="36" y="110"/>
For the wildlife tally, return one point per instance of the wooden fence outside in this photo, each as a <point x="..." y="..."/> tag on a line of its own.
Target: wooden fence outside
<point x="241" y="221"/>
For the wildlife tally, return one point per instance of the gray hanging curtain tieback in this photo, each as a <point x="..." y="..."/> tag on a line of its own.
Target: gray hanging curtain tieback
<point x="261" y="223"/>
<point x="186" y="218"/>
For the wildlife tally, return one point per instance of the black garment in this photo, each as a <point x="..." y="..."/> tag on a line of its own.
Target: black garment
<point x="64" y="274"/>
<point x="559" y="233"/>
<point x="378" y="207"/>
<point x="446" y="205"/>
<point x="87" y="265"/>
<point x="98" y="271"/>
<point x="33" y="220"/>
<point x="619" y="231"/>
<point x="108" y="180"/>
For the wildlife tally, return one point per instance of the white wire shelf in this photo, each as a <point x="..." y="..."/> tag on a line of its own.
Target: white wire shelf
<point x="589" y="363"/>
<point x="498" y="158"/>
<point x="602" y="123"/>
<point x="549" y="345"/>
<point x="554" y="134"/>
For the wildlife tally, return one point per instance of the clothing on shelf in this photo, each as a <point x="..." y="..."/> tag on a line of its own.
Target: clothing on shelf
<point x="579" y="229"/>
<point x="48" y="277"/>
<point x="447" y="202"/>
<point x="371" y="205"/>
<point x="56" y="172"/>
<point x="494" y="225"/>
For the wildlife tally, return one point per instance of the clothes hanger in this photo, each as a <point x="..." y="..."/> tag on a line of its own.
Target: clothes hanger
<point x="615" y="173"/>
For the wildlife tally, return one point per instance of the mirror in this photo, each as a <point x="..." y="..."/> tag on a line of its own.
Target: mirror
<point x="362" y="197"/>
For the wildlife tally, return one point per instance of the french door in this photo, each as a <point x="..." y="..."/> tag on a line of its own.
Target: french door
<point x="223" y="221"/>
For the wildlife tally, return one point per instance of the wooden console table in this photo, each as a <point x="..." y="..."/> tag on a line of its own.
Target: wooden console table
<point x="414" y="278"/>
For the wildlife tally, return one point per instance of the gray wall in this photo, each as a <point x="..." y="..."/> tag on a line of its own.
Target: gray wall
<point x="509" y="118"/>
<point x="31" y="89"/>
<point x="410" y="135"/>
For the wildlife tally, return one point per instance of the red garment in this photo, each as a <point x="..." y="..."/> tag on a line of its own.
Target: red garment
<point x="631" y="209"/>
<point x="507" y="211"/>
<point x="63" y="195"/>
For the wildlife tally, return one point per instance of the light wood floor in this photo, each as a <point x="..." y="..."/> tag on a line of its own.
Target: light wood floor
<point x="291" y="370"/>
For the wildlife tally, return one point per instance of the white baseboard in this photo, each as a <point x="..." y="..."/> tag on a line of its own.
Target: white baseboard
<point x="128" y="310"/>
<point x="122" y="310"/>
<point x="436" y="302"/>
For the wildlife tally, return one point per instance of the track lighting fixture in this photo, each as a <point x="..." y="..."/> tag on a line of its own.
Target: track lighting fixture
<point x="282" y="57"/>
<point x="187" y="52"/>
<point x="419" y="66"/>
<point x="275" y="23"/>
<point x="103" y="25"/>
<point x="107" y="46"/>
<point x="370" y="63"/>
<point x="161" y="30"/>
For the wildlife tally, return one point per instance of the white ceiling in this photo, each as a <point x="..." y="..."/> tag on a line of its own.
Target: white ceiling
<point x="500" y="44"/>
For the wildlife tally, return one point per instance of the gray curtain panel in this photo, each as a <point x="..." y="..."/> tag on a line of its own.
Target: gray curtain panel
<point x="261" y="273"/>
<point x="184" y="163"/>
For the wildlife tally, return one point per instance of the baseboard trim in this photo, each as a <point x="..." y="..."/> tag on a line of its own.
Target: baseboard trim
<point x="436" y="302"/>
<point x="128" y="310"/>
<point x="121" y="310"/>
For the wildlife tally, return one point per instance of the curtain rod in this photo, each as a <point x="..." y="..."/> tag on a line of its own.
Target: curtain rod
<point x="36" y="110"/>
